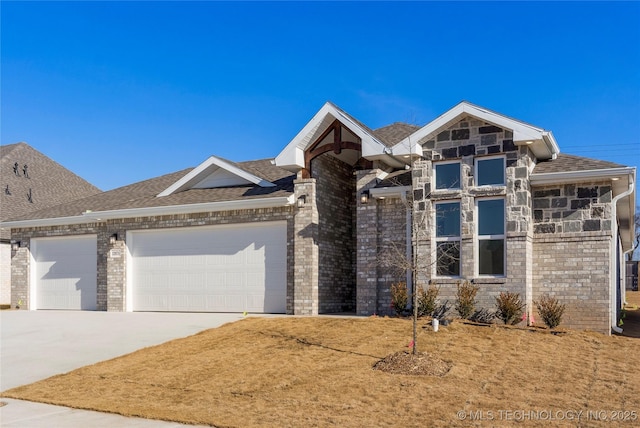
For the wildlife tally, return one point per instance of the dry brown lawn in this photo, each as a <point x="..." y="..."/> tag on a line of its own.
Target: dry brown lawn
<point x="317" y="371"/>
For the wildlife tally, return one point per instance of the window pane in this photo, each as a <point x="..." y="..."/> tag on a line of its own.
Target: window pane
<point x="448" y="219"/>
<point x="448" y="263"/>
<point x="490" y="171"/>
<point x="491" y="257"/>
<point x="448" y="176"/>
<point x="491" y="217"/>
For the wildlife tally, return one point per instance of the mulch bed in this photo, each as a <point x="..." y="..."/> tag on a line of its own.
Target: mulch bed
<point x="406" y="363"/>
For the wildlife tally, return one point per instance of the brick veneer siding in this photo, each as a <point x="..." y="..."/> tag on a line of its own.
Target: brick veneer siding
<point x="305" y="247"/>
<point x="572" y="251"/>
<point x="335" y="196"/>
<point x="111" y="268"/>
<point x="366" y="245"/>
<point x="392" y="227"/>
<point x="574" y="267"/>
<point x="466" y="141"/>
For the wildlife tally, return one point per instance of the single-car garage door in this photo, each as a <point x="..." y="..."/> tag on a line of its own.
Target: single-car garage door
<point x="230" y="268"/>
<point x="65" y="272"/>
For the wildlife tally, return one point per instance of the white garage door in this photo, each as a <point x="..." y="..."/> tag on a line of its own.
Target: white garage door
<point x="232" y="268"/>
<point x="65" y="272"/>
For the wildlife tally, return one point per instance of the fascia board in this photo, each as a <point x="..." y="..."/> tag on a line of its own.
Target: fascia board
<point x="194" y="208"/>
<point x="577" y="176"/>
<point x="98" y="216"/>
<point x="198" y="173"/>
<point x="522" y="132"/>
<point x="292" y="156"/>
<point x="39" y="222"/>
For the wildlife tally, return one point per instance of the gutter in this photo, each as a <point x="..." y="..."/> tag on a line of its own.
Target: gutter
<point x="612" y="259"/>
<point x="572" y="176"/>
<point x="97" y="216"/>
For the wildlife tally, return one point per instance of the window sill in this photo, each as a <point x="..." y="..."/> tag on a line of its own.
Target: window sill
<point x="446" y="194"/>
<point x="490" y="280"/>
<point x="488" y="191"/>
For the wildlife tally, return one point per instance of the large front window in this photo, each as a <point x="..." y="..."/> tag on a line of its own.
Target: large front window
<point x="447" y="175"/>
<point x="491" y="237"/>
<point x="448" y="238"/>
<point x="490" y="171"/>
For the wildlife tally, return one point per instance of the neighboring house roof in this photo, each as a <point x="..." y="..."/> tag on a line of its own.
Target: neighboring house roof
<point x="143" y="198"/>
<point x="541" y="142"/>
<point x="46" y="183"/>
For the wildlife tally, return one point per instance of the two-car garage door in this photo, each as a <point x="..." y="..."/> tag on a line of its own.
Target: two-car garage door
<point x="231" y="268"/>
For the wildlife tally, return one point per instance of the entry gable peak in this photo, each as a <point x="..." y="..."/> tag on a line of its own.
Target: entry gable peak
<point x="292" y="156"/>
<point x="215" y="172"/>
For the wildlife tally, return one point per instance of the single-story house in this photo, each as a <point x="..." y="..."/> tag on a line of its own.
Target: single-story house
<point x="303" y="233"/>
<point x="30" y="182"/>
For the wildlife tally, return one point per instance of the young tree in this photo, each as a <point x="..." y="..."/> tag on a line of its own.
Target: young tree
<point x="402" y="259"/>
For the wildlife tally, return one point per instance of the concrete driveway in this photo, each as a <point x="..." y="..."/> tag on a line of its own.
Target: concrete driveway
<point x="35" y="345"/>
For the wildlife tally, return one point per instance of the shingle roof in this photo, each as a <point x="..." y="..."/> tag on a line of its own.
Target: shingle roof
<point x="144" y="194"/>
<point x="394" y="133"/>
<point x="569" y="163"/>
<point x="48" y="182"/>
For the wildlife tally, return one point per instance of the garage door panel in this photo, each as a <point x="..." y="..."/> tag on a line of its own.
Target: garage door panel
<point x="227" y="269"/>
<point x="65" y="272"/>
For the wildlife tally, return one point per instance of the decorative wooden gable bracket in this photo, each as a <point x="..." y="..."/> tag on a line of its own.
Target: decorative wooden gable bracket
<point x="338" y="145"/>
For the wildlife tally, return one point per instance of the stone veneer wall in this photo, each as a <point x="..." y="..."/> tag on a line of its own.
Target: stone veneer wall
<point x="584" y="207"/>
<point x="111" y="264"/>
<point x="466" y="141"/>
<point x="335" y="196"/>
<point x="572" y="251"/>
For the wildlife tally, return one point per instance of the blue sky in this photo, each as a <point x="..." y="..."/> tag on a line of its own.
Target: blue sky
<point x="119" y="92"/>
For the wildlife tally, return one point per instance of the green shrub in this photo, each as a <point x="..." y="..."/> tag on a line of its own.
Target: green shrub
<point x="509" y="307"/>
<point x="427" y="300"/>
<point x="399" y="297"/>
<point x="466" y="299"/>
<point x="550" y="310"/>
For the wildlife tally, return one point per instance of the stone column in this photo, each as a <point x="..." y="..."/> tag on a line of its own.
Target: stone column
<point x="305" y="241"/>
<point x="116" y="275"/>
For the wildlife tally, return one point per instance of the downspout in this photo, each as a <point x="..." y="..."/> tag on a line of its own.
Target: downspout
<point x="612" y="257"/>
<point x="407" y="238"/>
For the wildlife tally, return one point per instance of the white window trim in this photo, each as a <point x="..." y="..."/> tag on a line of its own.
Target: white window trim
<point x="437" y="240"/>
<point x="486" y="158"/>
<point x="479" y="238"/>
<point x="437" y="163"/>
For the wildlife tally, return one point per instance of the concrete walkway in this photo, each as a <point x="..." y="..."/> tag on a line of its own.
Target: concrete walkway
<point x="35" y="345"/>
